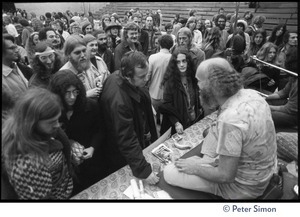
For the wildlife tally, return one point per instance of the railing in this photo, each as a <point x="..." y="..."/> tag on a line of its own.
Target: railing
<point x="277" y="67"/>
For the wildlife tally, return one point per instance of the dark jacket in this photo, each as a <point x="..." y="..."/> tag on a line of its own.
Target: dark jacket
<point x="174" y="107"/>
<point x="144" y="40"/>
<point x="150" y="33"/>
<point x="121" y="49"/>
<point x="27" y="71"/>
<point x="127" y="114"/>
<point x="108" y="58"/>
<point x="85" y="127"/>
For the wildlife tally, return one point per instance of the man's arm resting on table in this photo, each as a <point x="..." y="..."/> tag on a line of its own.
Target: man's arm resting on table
<point x="224" y="173"/>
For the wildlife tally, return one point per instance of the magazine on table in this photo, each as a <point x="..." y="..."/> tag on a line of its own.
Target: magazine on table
<point x="163" y="153"/>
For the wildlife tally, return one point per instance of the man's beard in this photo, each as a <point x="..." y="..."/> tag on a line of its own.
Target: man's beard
<point x="102" y="47"/>
<point x="49" y="68"/>
<point x="207" y="98"/>
<point x="221" y="27"/>
<point x="80" y="66"/>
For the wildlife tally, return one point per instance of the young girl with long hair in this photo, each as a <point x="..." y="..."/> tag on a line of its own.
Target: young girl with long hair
<point x="181" y="106"/>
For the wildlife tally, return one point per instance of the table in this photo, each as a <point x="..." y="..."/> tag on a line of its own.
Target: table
<point x="113" y="186"/>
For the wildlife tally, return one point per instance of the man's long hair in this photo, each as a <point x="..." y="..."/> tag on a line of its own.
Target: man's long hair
<point x="19" y="131"/>
<point x="39" y="68"/>
<point x="188" y="33"/>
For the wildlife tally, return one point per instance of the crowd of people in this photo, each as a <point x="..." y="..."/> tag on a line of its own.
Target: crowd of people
<point x="82" y="96"/>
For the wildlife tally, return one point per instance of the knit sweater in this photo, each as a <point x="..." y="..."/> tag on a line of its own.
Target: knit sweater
<point x="34" y="180"/>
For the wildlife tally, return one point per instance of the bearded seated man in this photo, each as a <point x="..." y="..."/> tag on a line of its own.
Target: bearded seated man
<point x="239" y="152"/>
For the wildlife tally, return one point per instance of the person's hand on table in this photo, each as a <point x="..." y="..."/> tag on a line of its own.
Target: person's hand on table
<point x="152" y="179"/>
<point x="187" y="165"/>
<point x="89" y="153"/>
<point x="179" y="128"/>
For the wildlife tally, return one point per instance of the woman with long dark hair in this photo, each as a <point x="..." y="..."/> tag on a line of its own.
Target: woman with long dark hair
<point x="277" y="34"/>
<point x="181" y="106"/>
<point x="258" y="40"/>
<point x="213" y="42"/>
<point x="80" y="119"/>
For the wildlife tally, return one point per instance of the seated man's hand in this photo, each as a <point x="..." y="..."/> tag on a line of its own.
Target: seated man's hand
<point x="152" y="179"/>
<point x="88" y="153"/>
<point x="188" y="165"/>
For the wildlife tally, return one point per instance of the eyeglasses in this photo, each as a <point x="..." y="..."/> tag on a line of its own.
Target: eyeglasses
<point x="73" y="92"/>
<point x="44" y="58"/>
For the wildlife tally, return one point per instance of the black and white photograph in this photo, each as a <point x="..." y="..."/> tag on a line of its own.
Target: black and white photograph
<point x="194" y="101"/>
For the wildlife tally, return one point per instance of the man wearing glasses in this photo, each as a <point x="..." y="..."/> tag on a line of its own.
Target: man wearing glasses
<point x="45" y="63"/>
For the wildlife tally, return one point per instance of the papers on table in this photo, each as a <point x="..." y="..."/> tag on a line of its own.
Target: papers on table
<point x="133" y="192"/>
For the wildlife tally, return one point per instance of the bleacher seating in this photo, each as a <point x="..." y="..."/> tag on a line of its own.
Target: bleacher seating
<point x="275" y="12"/>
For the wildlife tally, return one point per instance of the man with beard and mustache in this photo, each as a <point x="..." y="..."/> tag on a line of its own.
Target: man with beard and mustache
<point x="103" y="50"/>
<point x="79" y="63"/>
<point x="45" y="63"/>
<point x="239" y="153"/>
<point x="184" y="38"/>
<point x="129" y="43"/>
<point x="220" y="22"/>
